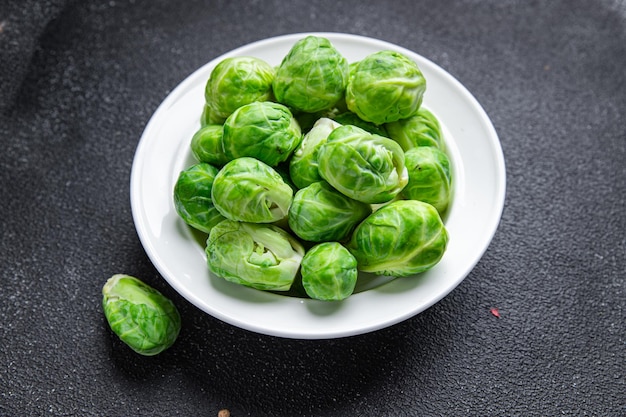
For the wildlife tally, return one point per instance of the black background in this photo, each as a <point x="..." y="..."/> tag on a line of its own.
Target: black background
<point x="78" y="83"/>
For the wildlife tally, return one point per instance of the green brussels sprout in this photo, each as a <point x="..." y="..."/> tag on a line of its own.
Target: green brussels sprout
<point x="312" y="76"/>
<point x="265" y="130"/>
<point x="384" y="87"/>
<point x="260" y="256"/>
<point x="139" y="315"/>
<point x="352" y="69"/>
<point x="209" y="118"/>
<point x="192" y="197"/>
<point x="248" y="190"/>
<point x="421" y="129"/>
<point x="402" y="238"/>
<point x="237" y="81"/>
<point x="349" y="118"/>
<point x="206" y="145"/>
<point x="429" y="177"/>
<point x="366" y="167"/>
<point x="320" y="213"/>
<point x="303" y="166"/>
<point x="329" y="272"/>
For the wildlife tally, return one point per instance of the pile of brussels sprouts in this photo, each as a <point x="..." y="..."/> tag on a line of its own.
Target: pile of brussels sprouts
<point x="317" y="169"/>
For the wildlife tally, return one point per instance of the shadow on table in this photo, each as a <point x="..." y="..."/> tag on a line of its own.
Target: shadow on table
<point x="251" y="373"/>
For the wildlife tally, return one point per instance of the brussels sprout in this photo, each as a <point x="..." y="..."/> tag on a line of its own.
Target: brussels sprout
<point x="265" y="130"/>
<point x="365" y="167"/>
<point x="192" y="197"/>
<point x="352" y="69"/>
<point x="349" y="118"/>
<point x="384" y="87"/>
<point x="422" y="129"/>
<point x="206" y="145"/>
<point x="329" y="272"/>
<point x="312" y="76"/>
<point x="404" y="237"/>
<point x="303" y="166"/>
<point x="429" y="177"/>
<point x="208" y="117"/>
<point x="260" y="256"/>
<point x="320" y="213"/>
<point x="248" y="190"/>
<point x="237" y="81"/>
<point x="139" y="315"/>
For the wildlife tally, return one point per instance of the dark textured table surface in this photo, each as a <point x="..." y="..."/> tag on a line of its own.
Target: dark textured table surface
<point x="78" y="83"/>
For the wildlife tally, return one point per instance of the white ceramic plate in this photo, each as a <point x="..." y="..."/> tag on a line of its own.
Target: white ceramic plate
<point x="178" y="252"/>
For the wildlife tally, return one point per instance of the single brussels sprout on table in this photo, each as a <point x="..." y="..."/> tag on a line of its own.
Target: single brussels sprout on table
<point x="265" y="130"/>
<point x="206" y="145"/>
<point x="139" y="315"/>
<point x="320" y="213"/>
<point x="237" y="81"/>
<point x="312" y="77"/>
<point x="404" y="237"/>
<point x="384" y="87"/>
<point x="303" y="165"/>
<point x="429" y="177"/>
<point x="260" y="256"/>
<point x="365" y="167"/>
<point x="248" y="190"/>
<point x="192" y="197"/>
<point x="421" y="129"/>
<point x="329" y="272"/>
